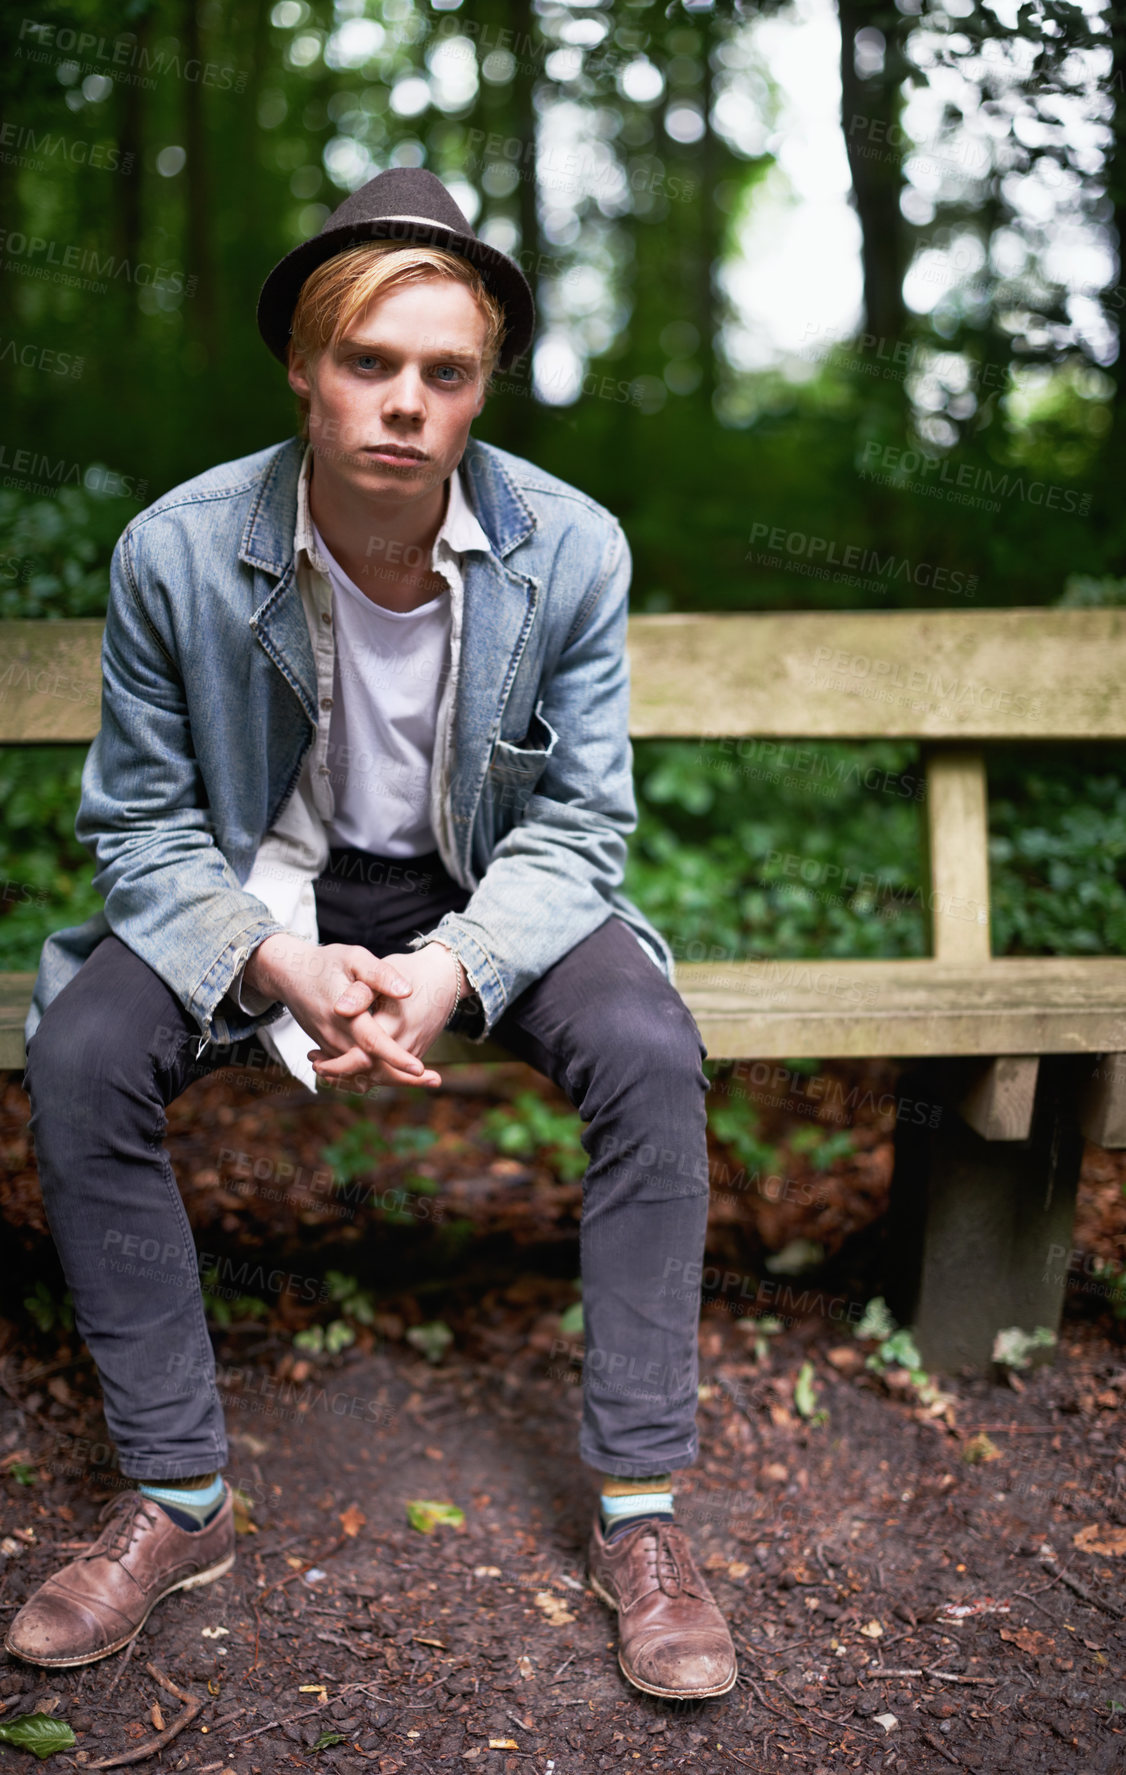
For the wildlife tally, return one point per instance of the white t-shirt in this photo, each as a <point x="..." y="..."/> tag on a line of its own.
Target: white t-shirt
<point x="389" y="673"/>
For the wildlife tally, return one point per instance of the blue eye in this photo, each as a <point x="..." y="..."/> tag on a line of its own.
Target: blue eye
<point x="444" y="370"/>
<point x="365" y="358"/>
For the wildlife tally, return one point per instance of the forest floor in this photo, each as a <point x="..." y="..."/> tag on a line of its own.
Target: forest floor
<point x="916" y="1578"/>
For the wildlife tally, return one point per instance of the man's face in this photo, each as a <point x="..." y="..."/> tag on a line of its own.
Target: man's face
<point x="391" y="402"/>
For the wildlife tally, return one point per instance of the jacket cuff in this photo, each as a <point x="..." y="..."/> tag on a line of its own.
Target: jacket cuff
<point x="221" y="1017"/>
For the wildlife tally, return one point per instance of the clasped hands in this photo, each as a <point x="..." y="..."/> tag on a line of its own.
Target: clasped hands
<point x="373" y="1018"/>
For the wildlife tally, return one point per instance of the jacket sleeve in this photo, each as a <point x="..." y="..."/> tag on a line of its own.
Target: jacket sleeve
<point x="548" y="883"/>
<point x="169" y="892"/>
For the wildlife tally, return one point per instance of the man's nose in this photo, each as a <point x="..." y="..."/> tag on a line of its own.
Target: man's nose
<point x="405" y="397"/>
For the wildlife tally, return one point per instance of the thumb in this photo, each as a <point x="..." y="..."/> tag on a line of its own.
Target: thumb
<point x="372" y="976"/>
<point x="354" y="997"/>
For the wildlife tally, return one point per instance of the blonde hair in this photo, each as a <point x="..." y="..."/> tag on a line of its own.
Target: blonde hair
<point x="337" y="291"/>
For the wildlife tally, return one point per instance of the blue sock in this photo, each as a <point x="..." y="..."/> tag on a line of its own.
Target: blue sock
<point x="190" y="1507"/>
<point x="627" y="1502"/>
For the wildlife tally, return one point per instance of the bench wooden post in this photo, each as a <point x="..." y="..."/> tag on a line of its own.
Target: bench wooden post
<point x="977" y="1226"/>
<point x="957" y="854"/>
<point x="979" y="1202"/>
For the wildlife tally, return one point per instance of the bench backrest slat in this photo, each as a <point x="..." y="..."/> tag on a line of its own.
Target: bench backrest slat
<point x="905" y="674"/>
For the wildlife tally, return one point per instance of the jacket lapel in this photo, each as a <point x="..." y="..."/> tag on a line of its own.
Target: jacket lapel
<point x="499" y="609"/>
<point x="278" y="618"/>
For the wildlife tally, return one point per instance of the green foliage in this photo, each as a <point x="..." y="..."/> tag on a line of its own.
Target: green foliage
<point x="718" y="858"/>
<point x="571" y="1321"/>
<point x="723" y="838"/>
<point x="805" y="1397"/>
<point x="48" y="1313"/>
<point x="1112" y="1276"/>
<point x="821" y="1149"/>
<point x="431" y="1340"/>
<point x="1058" y="852"/>
<point x="325" y="1340"/>
<point x="41" y="1733"/>
<point x="1014" y="1348"/>
<point x="221" y="1309"/>
<point x="362" y="1147"/>
<point x="48" y="876"/>
<point x="354" y="1302"/>
<point x="876" y="1320"/>
<point x="54" y="553"/>
<point x="735" y="1121"/>
<point x="896" y="1347"/>
<point x="528" y="1125"/>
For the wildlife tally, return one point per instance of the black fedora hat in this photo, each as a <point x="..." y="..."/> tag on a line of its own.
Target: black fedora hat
<point x="409" y="205"/>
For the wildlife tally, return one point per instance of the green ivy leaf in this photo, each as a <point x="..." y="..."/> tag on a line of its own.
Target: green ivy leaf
<point x="571" y="1322"/>
<point x="40" y="1733"/>
<point x="425" y="1514"/>
<point x="328" y="1739"/>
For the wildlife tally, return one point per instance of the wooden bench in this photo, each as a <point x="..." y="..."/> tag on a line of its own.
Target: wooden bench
<point x="1020" y="1057"/>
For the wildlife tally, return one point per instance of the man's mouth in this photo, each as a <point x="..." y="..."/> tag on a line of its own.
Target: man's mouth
<point x="399" y="452"/>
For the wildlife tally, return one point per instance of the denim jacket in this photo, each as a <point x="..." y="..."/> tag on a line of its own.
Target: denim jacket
<point x="209" y="709"/>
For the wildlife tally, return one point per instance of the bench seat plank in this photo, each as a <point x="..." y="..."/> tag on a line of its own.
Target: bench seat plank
<point x="822" y="1010"/>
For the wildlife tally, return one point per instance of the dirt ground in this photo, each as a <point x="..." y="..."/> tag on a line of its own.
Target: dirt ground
<point x="916" y="1579"/>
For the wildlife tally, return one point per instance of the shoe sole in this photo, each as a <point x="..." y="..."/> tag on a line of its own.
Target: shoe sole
<point x="651" y="1688"/>
<point x="207" y="1577"/>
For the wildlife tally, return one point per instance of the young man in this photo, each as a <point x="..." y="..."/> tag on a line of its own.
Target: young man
<point x="364" y="773"/>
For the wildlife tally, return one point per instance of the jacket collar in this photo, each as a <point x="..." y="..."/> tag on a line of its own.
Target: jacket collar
<point x="267" y="539"/>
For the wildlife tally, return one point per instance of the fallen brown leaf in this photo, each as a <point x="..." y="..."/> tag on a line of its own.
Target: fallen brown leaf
<point x="1028" y="1640"/>
<point x="156" y="1716"/>
<point x="352" y="1520"/>
<point x="556" y="1611"/>
<point x="1101" y="1537"/>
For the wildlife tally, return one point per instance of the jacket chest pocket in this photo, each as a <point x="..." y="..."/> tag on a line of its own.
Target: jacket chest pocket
<point x="515" y="770"/>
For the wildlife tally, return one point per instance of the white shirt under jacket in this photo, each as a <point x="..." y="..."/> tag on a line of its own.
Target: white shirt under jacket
<point x="295" y="850"/>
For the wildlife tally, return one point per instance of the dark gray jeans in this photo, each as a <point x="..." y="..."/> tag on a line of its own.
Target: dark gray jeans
<point x="116" y="1047"/>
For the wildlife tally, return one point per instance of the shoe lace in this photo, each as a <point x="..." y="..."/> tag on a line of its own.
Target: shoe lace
<point x="667" y="1557"/>
<point x="117" y="1535"/>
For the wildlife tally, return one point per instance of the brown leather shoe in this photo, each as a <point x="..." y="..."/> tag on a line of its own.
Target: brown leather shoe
<point x="673" y="1640"/>
<point x="97" y="1603"/>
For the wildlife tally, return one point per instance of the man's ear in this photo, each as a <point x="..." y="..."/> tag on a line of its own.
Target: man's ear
<point x="298" y="373"/>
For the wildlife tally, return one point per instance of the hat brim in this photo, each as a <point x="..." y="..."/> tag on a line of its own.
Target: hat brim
<point x="500" y="274"/>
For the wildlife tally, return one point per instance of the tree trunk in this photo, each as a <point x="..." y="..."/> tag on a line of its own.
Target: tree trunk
<point x="201" y="307"/>
<point x="870" y="120"/>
